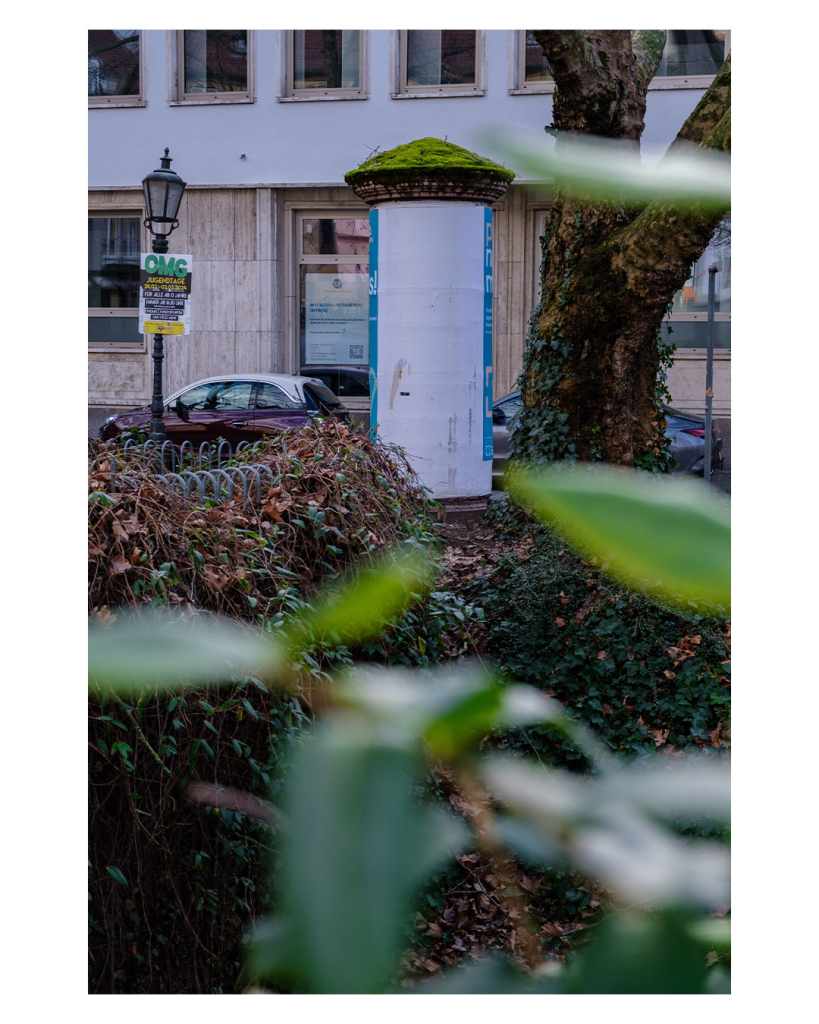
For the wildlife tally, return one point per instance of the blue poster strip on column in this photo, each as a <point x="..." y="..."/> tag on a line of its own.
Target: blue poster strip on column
<point x="373" y="321"/>
<point x="488" y="447"/>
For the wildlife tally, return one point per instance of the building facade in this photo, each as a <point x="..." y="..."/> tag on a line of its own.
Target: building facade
<point x="263" y="125"/>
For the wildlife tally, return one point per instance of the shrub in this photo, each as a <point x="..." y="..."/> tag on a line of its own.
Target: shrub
<point x="172" y="885"/>
<point x="639" y="673"/>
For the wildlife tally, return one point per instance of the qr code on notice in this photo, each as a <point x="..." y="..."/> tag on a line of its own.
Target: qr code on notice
<point x="356" y="351"/>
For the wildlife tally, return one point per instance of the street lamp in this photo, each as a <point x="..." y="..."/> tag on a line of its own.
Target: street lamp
<point x="163" y="190"/>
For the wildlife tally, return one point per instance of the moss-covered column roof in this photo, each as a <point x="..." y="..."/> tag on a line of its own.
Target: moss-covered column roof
<point x="429" y="169"/>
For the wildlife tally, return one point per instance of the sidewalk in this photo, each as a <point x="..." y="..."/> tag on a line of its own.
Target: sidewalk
<point x="722" y="479"/>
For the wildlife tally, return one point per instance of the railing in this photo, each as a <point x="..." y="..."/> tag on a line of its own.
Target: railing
<point x="186" y="470"/>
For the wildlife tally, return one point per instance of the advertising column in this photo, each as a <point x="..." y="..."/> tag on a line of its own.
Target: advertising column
<point x="431" y="316"/>
<point x="373" y="320"/>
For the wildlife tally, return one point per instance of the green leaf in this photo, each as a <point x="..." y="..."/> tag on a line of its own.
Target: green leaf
<point x="603" y="826"/>
<point x="272" y="952"/>
<point x="166" y="651"/>
<point x="450" y="708"/>
<point x="100" y="498"/>
<point x="665" y="537"/>
<point x="640" y="955"/>
<point x="117" y="875"/>
<point x="467" y="721"/>
<point x="675" y="788"/>
<point x="604" y="171"/>
<point x="368" y="601"/>
<point x="358" y="842"/>
<point x="713" y="933"/>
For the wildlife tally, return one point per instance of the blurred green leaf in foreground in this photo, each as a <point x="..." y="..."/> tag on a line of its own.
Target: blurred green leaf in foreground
<point x="607" y="170"/>
<point x="669" y="538"/>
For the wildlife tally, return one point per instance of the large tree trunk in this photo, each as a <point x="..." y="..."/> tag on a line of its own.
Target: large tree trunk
<point x="590" y="375"/>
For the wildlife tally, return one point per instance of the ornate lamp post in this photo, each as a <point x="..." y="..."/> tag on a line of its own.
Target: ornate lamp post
<point x="163" y="190"/>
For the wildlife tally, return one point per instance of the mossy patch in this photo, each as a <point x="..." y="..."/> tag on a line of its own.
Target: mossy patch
<point x="429" y="155"/>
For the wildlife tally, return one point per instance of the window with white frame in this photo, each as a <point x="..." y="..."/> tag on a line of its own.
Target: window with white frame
<point x="213" y="66"/>
<point x="114" y="246"/>
<point x="114" y="68"/>
<point x="533" y="66"/>
<point x="690" y="60"/>
<point x="324" y="64"/>
<point x="333" y="287"/>
<point x="440" y="62"/>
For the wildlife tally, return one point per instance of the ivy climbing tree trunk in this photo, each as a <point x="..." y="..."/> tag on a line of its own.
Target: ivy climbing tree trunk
<point x="592" y="377"/>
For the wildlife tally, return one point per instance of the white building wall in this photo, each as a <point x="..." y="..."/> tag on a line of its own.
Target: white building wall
<point x="318" y="141"/>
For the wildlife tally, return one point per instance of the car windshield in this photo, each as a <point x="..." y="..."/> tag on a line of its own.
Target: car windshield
<point x="318" y="395"/>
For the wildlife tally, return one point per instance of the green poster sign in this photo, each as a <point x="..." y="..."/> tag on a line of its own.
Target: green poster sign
<point x="165" y="293"/>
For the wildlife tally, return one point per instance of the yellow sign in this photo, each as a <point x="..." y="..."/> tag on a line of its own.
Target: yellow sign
<point x="162" y="327"/>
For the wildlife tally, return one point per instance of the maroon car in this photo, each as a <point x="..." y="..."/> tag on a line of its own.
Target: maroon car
<point x="234" y="407"/>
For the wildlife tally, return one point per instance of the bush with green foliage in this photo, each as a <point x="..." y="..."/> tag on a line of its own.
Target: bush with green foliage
<point x="195" y="878"/>
<point x="356" y="841"/>
<point x="639" y="672"/>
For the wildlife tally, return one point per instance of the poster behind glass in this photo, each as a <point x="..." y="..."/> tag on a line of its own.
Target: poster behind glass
<point x="336" y="316"/>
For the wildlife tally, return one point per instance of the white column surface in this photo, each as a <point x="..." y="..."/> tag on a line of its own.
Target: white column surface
<point x="430" y="342"/>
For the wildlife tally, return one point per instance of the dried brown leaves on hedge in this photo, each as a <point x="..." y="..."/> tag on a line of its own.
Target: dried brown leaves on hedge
<point x="336" y="496"/>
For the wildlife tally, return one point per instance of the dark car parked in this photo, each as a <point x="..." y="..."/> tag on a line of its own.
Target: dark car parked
<point x="344" y="381"/>
<point x="686" y="433"/>
<point x="350" y="383"/>
<point x="235" y="407"/>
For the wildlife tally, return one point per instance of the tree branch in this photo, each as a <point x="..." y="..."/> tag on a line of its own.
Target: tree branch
<point x="600" y="82"/>
<point x="708" y="113"/>
<point x="568" y="51"/>
<point x="648" y="46"/>
<point x="673" y="234"/>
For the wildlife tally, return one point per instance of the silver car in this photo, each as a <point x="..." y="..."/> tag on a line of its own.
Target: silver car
<point x="686" y="433"/>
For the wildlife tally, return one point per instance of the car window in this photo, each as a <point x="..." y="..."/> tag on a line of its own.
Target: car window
<point x="197" y="398"/>
<point x="216" y="395"/>
<point x="352" y="386"/>
<point x="234" y="395"/>
<point x="318" y="395"/>
<point x="510" y="408"/>
<point x="270" y="396"/>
